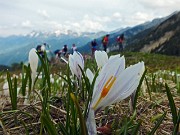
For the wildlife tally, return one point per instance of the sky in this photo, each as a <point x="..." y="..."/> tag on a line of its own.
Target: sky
<point x="25" y="16"/>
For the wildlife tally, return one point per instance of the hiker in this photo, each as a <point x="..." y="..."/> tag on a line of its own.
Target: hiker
<point x="57" y="53"/>
<point x="73" y="48"/>
<point x="65" y="50"/>
<point x="105" y="41"/>
<point x="41" y="49"/>
<point x="93" y="46"/>
<point x="120" y="40"/>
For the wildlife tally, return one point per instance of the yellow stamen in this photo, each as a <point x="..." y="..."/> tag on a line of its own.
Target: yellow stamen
<point x="105" y="90"/>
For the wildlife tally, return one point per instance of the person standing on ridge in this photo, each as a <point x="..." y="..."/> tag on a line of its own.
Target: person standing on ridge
<point x="93" y="46"/>
<point x="120" y="40"/>
<point x="105" y="41"/>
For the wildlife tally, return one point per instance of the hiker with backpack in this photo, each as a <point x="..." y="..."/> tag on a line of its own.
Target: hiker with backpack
<point x="105" y="41"/>
<point x="93" y="46"/>
<point x="120" y="40"/>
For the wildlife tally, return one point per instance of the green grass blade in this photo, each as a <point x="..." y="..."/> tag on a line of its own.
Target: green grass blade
<point x="132" y="118"/>
<point x="81" y="118"/>
<point x="90" y="95"/>
<point x="136" y="129"/>
<point x="25" y="78"/>
<point x="177" y="127"/>
<point x="63" y="129"/>
<point x="49" y="125"/>
<point x="25" y="127"/>
<point x="125" y="127"/>
<point x="15" y="94"/>
<point x="154" y="83"/>
<point x="157" y="124"/>
<point x="148" y="89"/>
<point x="138" y="89"/>
<point x="172" y="105"/>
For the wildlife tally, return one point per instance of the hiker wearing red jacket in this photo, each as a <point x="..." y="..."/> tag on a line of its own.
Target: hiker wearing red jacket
<point x="105" y="42"/>
<point x="120" y="40"/>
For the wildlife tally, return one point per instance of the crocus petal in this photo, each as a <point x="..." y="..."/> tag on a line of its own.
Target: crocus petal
<point x="79" y="58"/>
<point x="79" y="62"/>
<point x="33" y="60"/>
<point x="114" y="56"/>
<point x="126" y="83"/>
<point x="72" y="64"/>
<point x="101" y="58"/>
<point x="91" y="123"/>
<point x="90" y="75"/>
<point x="75" y="61"/>
<point x="111" y="69"/>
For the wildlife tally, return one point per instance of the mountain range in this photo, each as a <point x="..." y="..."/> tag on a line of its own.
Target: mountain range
<point x="158" y="33"/>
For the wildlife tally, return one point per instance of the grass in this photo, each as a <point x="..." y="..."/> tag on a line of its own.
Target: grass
<point x="153" y="62"/>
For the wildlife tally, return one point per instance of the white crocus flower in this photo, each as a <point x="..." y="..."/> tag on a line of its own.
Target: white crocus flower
<point x="173" y="73"/>
<point x="33" y="60"/>
<point x="90" y="75"/>
<point x="101" y="58"/>
<point x="75" y="61"/>
<point x="5" y="91"/>
<point x="160" y="80"/>
<point x="113" y="84"/>
<point x="52" y="80"/>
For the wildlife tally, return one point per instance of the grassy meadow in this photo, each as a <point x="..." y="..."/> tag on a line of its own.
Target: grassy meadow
<point x="57" y="102"/>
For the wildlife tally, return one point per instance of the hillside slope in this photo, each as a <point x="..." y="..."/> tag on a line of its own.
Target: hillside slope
<point x="163" y="39"/>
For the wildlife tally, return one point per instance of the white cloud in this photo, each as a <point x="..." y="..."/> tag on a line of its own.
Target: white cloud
<point x="137" y="18"/>
<point x="14" y="25"/>
<point x="4" y="27"/>
<point x="43" y="13"/>
<point x="91" y="26"/>
<point x="103" y="19"/>
<point x="141" y="17"/>
<point x="76" y="25"/>
<point x="116" y="15"/>
<point x="27" y="24"/>
<point x="159" y="3"/>
<point x="160" y="7"/>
